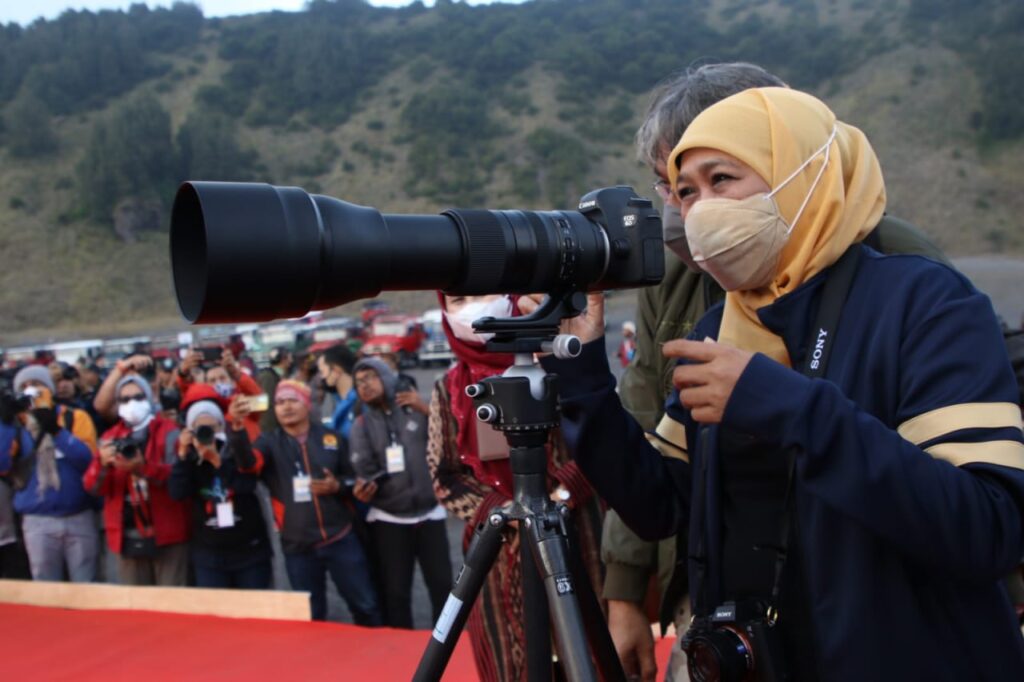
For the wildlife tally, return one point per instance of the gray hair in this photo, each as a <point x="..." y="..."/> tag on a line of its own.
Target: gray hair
<point x="677" y="101"/>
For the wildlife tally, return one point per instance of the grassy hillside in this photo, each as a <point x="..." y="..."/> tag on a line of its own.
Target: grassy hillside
<point x="390" y="136"/>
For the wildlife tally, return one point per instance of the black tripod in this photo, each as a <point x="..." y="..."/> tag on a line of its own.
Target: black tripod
<point x="523" y="403"/>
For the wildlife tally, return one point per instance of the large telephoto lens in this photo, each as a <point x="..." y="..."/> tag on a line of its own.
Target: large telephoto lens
<point x="256" y="252"/>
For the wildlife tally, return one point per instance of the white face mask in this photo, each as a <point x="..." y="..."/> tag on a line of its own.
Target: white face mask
<point x="739" y="241"/>
<point x="462" y="321"/>
<point x="224" y="389"/>
<point x="135" y="412"/>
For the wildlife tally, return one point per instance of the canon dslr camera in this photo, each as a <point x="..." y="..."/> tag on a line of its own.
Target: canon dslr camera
<point x="737" y="643"/>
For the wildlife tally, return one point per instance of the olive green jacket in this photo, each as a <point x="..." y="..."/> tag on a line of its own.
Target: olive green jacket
<point x="665" y="312"/>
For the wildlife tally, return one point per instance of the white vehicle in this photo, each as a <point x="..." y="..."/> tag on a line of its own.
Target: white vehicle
<point x="70" y="351"/>
<point x="435" y="349"/>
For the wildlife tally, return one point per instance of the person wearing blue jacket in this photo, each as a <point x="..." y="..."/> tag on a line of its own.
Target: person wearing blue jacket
<point x="335" y="366"/>
<point x="58" y="520"/>
<point x="14" y="441"/>
<point x="861" y="519"/>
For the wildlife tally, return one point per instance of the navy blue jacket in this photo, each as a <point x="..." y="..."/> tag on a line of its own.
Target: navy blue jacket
<point x="909" y="484"/>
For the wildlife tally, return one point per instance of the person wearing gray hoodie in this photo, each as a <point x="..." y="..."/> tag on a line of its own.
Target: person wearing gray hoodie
<point x="388" y="445"/>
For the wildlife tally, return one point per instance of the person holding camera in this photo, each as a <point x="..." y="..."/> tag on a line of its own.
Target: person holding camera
<point x="225" y="376"/>
<point x="388" y="445"/>
<point x="146" y="528"/>
<point x="229" y="545"/>
<point x="303" y="465"/>
<point x="852" y="474"/>
<point x="666" y="312"/>
<point x="42" y="464"/>
<point x="105" y="403"/>
<point x="15" y="442"/>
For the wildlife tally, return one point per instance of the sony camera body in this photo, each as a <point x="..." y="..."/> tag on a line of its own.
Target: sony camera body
<point x="738" y="642"/>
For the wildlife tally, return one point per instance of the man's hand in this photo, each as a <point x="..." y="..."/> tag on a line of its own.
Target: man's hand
<point x="587" y="326"/>
<point x="230" y="365"/>
<point x="328" y="485"/>
<point x="706" y="385"/>
<point x="412" y="399"/>
<point x="364" y="490"/>
<point x="134" y="363"/>
<point x="238" y="410"/>
<point x="108" y="454"/>
<point x="634" y="643"/>
<point x="192" y="360"/>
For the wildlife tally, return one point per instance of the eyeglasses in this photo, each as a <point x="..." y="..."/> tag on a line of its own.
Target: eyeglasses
<point x="366" y="382"/>
<point x="125" y="399"/>
<point x="662" y="189"/>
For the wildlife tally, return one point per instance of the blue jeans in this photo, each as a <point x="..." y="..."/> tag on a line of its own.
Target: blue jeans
<point x="350" y="571"/>
<point x="257" y="576"/>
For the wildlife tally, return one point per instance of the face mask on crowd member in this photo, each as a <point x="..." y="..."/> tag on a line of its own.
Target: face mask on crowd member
<point x="221" y="381"/>
<point x="33" y="381"/>
<point x="461" y="311"/>
<point x="739" y="241"/>
<point x="134" y="401"/>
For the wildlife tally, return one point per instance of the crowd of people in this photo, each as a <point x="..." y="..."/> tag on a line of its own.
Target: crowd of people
<point x="856" y="491"/>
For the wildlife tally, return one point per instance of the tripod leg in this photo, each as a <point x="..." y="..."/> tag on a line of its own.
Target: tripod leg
<point x="483" y="550"/>
<point x="536" y="619"/>
<point x="601" y="643"/>
<point x="551" y="556"/>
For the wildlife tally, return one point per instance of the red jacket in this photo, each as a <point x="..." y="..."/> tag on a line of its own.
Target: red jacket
<point x="246" y="385"/>
<point x="170" y="518"/>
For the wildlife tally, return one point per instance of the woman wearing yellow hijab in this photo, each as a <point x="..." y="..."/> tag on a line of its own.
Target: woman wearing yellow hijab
<point x="851" y="472"/>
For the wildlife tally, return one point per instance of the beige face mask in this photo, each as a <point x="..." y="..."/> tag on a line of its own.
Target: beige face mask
<point x="739" y="241"/>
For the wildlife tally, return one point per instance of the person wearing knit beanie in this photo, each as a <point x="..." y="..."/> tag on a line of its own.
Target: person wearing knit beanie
<point x="36" y="373"/>
<point x="204" y="408"/>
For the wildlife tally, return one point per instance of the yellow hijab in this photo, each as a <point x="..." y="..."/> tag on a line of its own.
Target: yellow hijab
<point x="774" y="130"/>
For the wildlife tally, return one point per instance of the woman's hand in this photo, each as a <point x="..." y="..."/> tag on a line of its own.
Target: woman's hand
<point x="706" y="385"/>
<point x="588" y="326"/>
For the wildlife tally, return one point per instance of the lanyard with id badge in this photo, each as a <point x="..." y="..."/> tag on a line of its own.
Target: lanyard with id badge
<point x="394" y="454"/>
<point x="225" y="507"/>
<point x="301" y="492"/>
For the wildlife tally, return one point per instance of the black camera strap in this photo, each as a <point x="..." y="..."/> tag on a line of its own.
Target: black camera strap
<point x="834" y="293"/>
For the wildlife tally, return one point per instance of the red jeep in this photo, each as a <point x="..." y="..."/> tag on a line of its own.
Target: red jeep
<point x="399" y="334"/>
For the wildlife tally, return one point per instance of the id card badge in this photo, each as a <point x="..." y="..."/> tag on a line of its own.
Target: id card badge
<point x="300" y="488"/>
<point x="225" y="515"/>
<point x="396" y="458"/>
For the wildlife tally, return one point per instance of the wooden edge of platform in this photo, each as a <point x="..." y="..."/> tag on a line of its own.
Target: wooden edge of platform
<point x="270" y="604"/>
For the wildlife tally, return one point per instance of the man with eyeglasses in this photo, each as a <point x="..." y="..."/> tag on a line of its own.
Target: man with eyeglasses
<point x="146" y="529"/>
<point x="666" y="312"/>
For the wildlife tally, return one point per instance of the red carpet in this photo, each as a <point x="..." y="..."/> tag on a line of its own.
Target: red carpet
<point x="56" y="644"/>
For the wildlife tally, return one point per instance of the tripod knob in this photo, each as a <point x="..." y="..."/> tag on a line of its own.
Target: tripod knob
<point x="487" y="413"/>
<point x="475" y="390"/>
<point x="564" y="346"/>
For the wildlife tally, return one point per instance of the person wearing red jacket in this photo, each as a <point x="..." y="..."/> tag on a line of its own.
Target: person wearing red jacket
<point x="226" y="379"/>
<point x="146" y="529"/>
